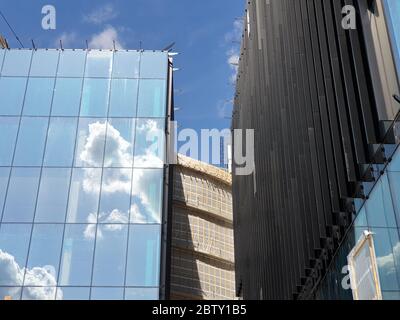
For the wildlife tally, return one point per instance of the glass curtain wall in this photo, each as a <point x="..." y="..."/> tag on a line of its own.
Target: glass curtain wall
<point x="82" y="153"/>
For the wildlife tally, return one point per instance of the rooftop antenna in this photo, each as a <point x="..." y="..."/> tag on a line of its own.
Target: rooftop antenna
<point x="114" y="44"/>
<point x="61" y="45"/>
<point x="140" y="44"/>
<point x="87" y="45"/>
<point x="169" y="47"/>
<point x="33" y="44"/>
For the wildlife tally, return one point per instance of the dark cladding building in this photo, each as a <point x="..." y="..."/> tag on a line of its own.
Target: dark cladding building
<point x="322" y="100"/>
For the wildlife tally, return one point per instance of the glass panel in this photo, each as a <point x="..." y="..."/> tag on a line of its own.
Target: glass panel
<point x="8" y="129"/>
<point x="53" y="195"/>
<point x="72" y="63"/>
<point x="123" y="101"/>
<point x="394" y="165"/>
<point x="14" y="242"/>
<point x="147" y="196"/>
<point x="12" y="92"/>
<point x="107" y="294"/>
<point x="60" y="142"/>
<point x="126" y="64"/>
<point x="4" y="174"/>
<point x="39" y="293"/>
<point x="99" y="64"/>
<point x="17" y="63"/>
<point x="110" y="255"/>
<point x="44" y="255"/>
<point x="119" y="144"/>
<point x="150" y="143"/>
<point x="38" y="97"/>
<point x="31" y="140"/>
<point x="393" y="21"/>
<point x="13" y="292"/>
<point x="141" y="294"/>
<point x="379" y="207"/>
<point x="77" y="255"/>
<point x="74" y="293"/>
<point x="95" y="97"/>
<point x="84" y="195"/>
<point x="90" y="142"/>
<point x="361" y="220"/>
<point x="67" y="97"/>
<point x="18" y="208"/>
<point x="385" y="259"/>
<point x="143" y="265"/>
<point x="394" y="181"/>
<point x="154" y="65"/>
<point x="44" y="63"/>
<point x="391" y="295"/>
<point x="115" y="196"/>
<point x="2" y="53"/>
<point x="152" y="98"/>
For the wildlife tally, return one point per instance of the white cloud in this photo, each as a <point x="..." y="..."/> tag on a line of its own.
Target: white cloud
<point x="101" y="14"/>
<point x="68" y="39"/>
<point x="104" y="39"/>
<point x="42" y="279"/>
<point x="233" y="38"/>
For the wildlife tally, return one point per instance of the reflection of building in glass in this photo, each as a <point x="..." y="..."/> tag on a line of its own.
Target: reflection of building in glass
<point x="320" y="98"/>
<point x="202" y="235"/>
<point x="82" y="171"/>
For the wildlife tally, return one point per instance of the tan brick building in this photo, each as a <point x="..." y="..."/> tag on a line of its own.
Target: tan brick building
<point x="202" y="234"/>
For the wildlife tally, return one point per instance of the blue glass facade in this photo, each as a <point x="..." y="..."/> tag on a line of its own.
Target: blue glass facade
<point x="392" y="18"/>
<point x="82" y="171"/>
<point x="380" y="214"/>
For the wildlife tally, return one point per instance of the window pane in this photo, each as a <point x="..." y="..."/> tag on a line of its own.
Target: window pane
<point x="21" y="196"/>
<point x="394" y="180"/>
<point x="8" y="129"/>
<point x="12" y="92"/>
<point x="394" y="166"/>
<point x="146" y="203"/>
<point x="71" y="293"/>
<point x="154" y="65"/>
<point x="393" y="20"/>
<point x="115" y="196"/>
<point x="84" y="195"/>
<point x="67" y="97"/>
<point x="2" y="53"/>
<point x="152" y="98"/>
<point x="38" y="97"/>
<point x="13" y="292"/>
<point x="14" y="242"/>
<point x="17" y="63"/>
<point x="143" y="256"/>
<point x="53" y="195"/>
<point x="44" y="63"/>
<point x="361" y="220"/>
<point x="38" y="293"/>
<point x="384" y="245"/>
<point x="95" y="97"/>
<point x="72" y="63"/>
<point x="44" y="255"/>
<point x="77" y="255"/>
<point x="31" y="140"/>
<point x="90" y="142"/>
<point x="379" y="206"/>
<point x="149" y="143"/>
<point x="119" y="143"/>
<point x="107" y="294"/>
<point x="4" y="175"/>
<point x="60" y="142"/>
<point x="99" y="64"/>
<point x="126" y="64"/>
<point x="123" y="98"/>
<point x="110" y="254"/>
<point x="141" y="294"/>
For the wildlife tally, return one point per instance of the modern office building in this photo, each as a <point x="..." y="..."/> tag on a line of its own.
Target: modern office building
<point x="83" y="173"/>
<point x="318" y="81"/>
<point x="202" y="265"/>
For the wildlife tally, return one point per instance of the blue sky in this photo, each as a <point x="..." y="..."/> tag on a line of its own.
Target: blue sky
<point x="206" y="33"/>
